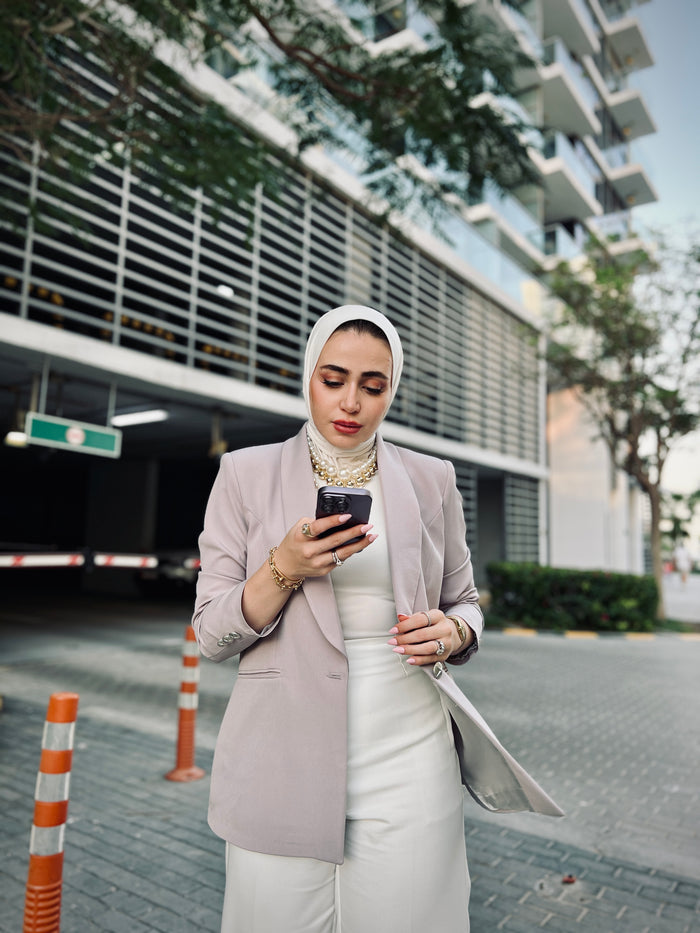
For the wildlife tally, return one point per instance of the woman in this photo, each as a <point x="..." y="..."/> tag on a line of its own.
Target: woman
<point x="335" y="782"/>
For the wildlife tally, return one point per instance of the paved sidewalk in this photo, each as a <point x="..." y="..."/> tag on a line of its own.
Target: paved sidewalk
<point x="608" y="726"/>
<point x="139" y="857"/>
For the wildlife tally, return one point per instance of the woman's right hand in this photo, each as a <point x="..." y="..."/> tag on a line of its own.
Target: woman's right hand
<point x="301" y="553"/>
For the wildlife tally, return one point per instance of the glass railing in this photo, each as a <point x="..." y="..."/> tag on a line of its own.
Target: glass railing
<point x="616" y="156"/>
<point x="487" y="259"/>
<point x="619" y="9"/>
<point x="559" y="242"/>
<point x="421" y="24"/>
<point x="514" y="213"/>
<point x="522" y="25"/>
<point x="408" y="17"/>
<point x="628" y="154"/>
<point x="556" y="51"/>
<point x="510" y="106"/>
<point x="616" y="226"/>
<point x="639" y="155"/>
<point x="586" y="13"/>
<point x="557" y="145"/>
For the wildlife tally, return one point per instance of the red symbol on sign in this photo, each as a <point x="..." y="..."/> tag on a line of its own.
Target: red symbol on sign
<point x="75" y="435"/>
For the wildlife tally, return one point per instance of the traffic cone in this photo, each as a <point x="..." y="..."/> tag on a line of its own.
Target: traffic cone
<point x="42" y="906"/>
<point x="185" y="768"/>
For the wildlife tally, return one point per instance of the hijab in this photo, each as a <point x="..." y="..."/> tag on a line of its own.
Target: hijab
<point x="324" y="327"/>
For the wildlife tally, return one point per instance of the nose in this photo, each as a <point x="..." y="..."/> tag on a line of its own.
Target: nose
<point x="351" y="399"/>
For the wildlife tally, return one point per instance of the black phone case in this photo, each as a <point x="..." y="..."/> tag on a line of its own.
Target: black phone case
<point x="339" y="500"/>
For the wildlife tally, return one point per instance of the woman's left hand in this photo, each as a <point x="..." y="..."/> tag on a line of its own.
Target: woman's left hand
<point x="425" y="637"/>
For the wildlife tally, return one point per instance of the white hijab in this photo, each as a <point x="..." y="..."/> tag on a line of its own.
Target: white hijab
<point x="322" y="330"/>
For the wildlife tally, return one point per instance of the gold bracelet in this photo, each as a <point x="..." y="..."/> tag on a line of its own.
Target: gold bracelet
<point x="461" y="629"/>
<point x="284" y="583"/>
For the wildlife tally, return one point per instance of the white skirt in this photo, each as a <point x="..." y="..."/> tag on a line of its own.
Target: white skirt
<point x="405" y="868"/>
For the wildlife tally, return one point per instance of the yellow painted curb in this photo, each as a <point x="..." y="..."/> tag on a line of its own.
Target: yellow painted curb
<point x="575" y="634"/>
<point x="689" y="636"/>
<point x="640" y="636"/>
<point x="519" y="631"/>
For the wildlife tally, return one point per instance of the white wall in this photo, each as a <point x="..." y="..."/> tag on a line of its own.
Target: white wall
<point x="595" y="516"/>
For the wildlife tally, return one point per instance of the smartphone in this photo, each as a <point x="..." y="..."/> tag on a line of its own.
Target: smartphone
<point x="340" y="500"/>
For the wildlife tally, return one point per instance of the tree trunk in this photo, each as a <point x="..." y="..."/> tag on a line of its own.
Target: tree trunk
<point x="655" y="535"/>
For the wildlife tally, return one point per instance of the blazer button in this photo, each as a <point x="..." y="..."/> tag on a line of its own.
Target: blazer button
<point x="438" y="670"/>
<point x="233" y="636"/>
<point x="221" y="643"/>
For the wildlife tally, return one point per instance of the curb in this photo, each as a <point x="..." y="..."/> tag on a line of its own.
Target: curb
<point x="575" y="634"/>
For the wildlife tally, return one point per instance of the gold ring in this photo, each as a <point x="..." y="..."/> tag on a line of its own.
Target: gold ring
<point x="306" y="530"/>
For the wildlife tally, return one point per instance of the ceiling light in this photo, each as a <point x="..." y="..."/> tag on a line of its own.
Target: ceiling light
<point x="139" y="417"/>
<point x="16" y="439"/>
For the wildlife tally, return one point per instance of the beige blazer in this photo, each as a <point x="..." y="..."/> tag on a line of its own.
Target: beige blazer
<point x="278" y="781"/>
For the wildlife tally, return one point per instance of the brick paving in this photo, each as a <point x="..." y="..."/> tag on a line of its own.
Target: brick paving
<point x="608" y="727"/>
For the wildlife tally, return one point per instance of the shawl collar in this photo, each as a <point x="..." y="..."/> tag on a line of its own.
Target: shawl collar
<point x="299" y="498"/>
<point x="403" y="524"/>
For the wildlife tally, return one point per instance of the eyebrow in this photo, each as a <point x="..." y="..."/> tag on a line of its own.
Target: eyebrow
<point x="369" y="374"/>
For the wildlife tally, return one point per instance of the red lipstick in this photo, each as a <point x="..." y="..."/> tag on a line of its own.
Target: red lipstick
<point x="347" y="427"/>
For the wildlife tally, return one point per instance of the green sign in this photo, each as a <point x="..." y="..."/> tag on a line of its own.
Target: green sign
<point x="48" y="431"/>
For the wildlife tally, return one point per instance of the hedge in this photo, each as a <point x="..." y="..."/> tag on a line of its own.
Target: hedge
<point x="559" y="599"/>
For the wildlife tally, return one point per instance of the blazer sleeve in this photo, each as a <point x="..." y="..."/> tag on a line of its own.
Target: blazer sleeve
<point x="459" y="595"/>
<point x="218" y="620"/>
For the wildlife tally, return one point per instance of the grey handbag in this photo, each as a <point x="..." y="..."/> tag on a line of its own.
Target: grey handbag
<point x="490" y="773"/>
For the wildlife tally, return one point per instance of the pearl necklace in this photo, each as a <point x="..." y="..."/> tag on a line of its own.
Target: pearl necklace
<point x="357" y="477"/>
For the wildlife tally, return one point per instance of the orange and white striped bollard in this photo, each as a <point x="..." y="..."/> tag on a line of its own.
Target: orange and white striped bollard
<point x="185" y="768"/>
<point x="42" y="906"/>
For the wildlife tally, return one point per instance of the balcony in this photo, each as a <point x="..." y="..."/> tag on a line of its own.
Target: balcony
<point x="622" y="165"/>
<point x="630" y="112"/>
<point x="571" y="20"/>
<point x="616" y="229"/>
<point x="627" y="41"/>
<point x="569" y="188"/>
<point x="618" y="9"/>
<point x="559" y="244"/>
<point x="568" y="98"/>
<point x="632" y="184"/>
<point x="504" y="220"/>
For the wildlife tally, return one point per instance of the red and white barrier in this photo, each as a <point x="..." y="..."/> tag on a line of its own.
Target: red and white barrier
<point x="185" y="768"/>
<point x="78" y="560"/>
<point x="125" y="560"/>
<point x="42" y="906"/>
<point x="42" y="560"/>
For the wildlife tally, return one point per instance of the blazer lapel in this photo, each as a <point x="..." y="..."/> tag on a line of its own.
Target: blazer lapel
<point x="299" y="498"/>
<point x="403" y="523"/>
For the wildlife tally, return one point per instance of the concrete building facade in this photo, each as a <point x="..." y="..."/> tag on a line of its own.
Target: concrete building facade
<point x="130" y="304"/>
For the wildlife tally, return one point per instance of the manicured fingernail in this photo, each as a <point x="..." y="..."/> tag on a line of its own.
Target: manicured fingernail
<point x="399" y="650"/>
<point x="365" y="528"/>
<point x="392" y="641"/>
<point x="371" y="538"/>
<point x="393" y="631"/>
<point x="401" y="617"/>
<point x="410" y="661"/>
<point x="343" y="518"/>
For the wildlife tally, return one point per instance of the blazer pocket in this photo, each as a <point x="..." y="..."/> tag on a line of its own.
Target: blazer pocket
<point x="262" y="673"/>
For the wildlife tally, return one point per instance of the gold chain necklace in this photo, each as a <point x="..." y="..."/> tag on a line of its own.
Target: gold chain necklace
<point x="357" y="477"/>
